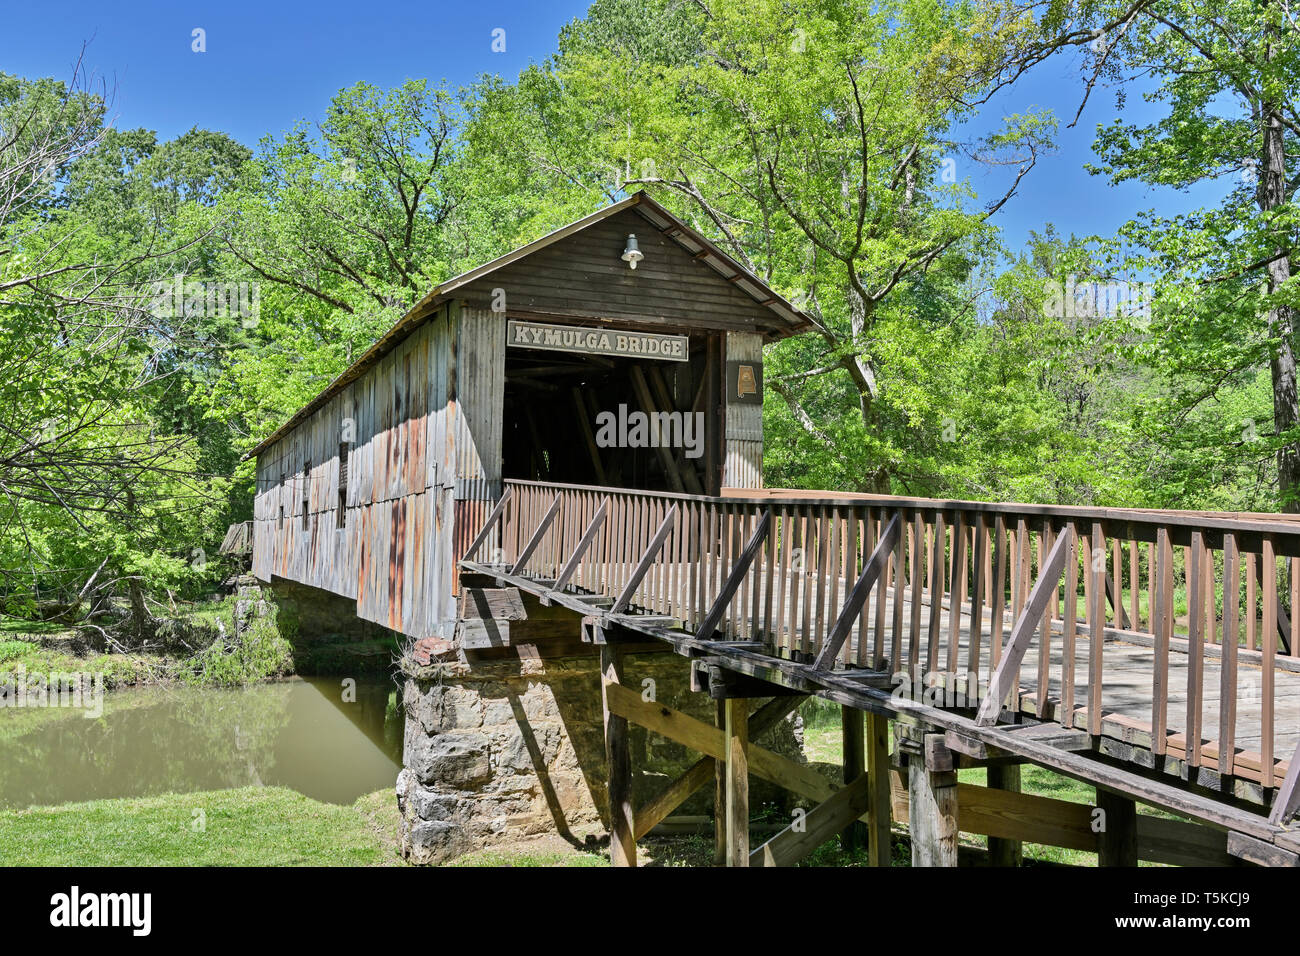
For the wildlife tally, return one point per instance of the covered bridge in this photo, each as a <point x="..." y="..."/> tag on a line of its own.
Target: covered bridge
<point x="374" y="488"/>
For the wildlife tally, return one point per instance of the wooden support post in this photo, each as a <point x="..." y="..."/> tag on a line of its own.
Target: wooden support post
<point x="736" y="719"/>
<point x="881" y="811"/>
<point x="1117" y="840"/>
<point x="855" y="765"/>
<point x="720" y="795"/>
<point x="932" y="813"/>
<point x="622" y="843"/>
<point x="1003" y="852"/>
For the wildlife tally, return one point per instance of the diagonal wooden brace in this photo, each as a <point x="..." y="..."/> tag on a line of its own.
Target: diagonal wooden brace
<point x="492" y="519"/>
<point x="540" y="533"/>
<point x="699" y="773"/>
<point x="738" y="572"/>
<point x="588" y="536"/>
<point x="858" y="596"/>
<point x="1043" y="591"/>
<point x="1287" y="800"/>
<point x="647" y="560"/>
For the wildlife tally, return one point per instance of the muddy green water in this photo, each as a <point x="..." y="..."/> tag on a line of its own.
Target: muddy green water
<point x="300" y="733"/>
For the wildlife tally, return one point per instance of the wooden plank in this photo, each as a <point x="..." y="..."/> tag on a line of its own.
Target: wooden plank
<point x="1268" y="567"/>
<point x="1228" y="662"/>
<point x="998" y="596"/>
<point x="1163" y="634"/>
<point x="978" y="597"/>
<point x="493" y="517"/>
<point x="1257" y="851"/>
<point x="1195" y="647"/>
<point x="934" y="626"/>
<point x="1096" y="617"/>
<point x="1068" y="626"/>
<point x="956" y="590"/>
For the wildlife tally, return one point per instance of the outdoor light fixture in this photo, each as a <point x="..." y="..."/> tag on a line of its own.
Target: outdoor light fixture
<point x="632" y="254"/>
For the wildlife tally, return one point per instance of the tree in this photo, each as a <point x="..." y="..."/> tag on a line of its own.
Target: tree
<point x="95" y="491"/>
<point x="814" y="140"/>
<point x="1227" y="295"/>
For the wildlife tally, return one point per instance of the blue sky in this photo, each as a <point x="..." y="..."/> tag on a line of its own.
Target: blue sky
<point x="270" y="64"/>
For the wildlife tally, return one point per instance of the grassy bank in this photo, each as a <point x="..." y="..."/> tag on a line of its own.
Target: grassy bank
<point x="253" y="826"/>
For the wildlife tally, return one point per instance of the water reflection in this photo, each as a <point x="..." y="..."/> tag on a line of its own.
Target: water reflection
<point x="299" y="734"/>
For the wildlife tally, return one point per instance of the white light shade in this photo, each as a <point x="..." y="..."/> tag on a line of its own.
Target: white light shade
<point x="632" y="254"/>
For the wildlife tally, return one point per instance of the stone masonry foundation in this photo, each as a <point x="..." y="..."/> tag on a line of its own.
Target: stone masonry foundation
<point x="508" y="750"/>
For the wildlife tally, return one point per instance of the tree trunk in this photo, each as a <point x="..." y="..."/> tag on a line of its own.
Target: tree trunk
<point x="139" y="613"/>
<point x="1271" y="193"/>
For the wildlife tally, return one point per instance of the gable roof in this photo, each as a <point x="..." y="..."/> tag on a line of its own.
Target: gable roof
<point x="786" y="320"/>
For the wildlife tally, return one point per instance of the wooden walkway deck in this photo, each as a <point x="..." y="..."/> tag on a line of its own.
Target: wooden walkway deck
<point x="852" y="599"/>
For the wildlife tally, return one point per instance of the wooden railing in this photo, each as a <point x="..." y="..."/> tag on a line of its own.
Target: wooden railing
<point x="1195" y="610"/>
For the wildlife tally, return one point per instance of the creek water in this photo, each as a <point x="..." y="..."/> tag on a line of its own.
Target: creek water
<point x="304" y="733"/>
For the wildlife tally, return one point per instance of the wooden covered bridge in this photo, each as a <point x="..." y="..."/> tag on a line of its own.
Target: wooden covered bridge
<point x="455" y="485"/>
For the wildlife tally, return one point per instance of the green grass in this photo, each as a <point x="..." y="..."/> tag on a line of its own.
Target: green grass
<point x="527" y="856"/>
<point x="252" y="826"/>
<point x="20" y="627"/>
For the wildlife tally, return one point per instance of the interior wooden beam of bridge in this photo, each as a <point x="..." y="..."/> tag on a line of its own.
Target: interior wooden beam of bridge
<point x="947" y="622"/>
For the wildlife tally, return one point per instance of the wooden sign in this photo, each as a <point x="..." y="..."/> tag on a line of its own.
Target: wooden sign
<point x="617" y="342"/>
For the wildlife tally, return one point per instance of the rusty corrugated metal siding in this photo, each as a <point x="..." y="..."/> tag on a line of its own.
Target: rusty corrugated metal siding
<point x="391" y="552"/>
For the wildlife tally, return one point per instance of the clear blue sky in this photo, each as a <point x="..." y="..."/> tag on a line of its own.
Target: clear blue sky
<point x="271" y="63"/>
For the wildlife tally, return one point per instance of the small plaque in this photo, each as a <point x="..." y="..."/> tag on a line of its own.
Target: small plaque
<point x="744" y="383"/>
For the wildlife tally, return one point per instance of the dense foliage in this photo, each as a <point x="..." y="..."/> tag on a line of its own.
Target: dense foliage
<point x="165" y="304"/>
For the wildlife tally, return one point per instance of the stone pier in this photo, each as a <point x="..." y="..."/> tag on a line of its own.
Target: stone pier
<point x="506" y="750"/>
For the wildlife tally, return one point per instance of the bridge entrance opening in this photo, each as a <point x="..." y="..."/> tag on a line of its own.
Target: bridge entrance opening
<point x="615" y="421"/>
